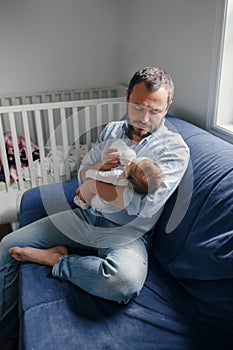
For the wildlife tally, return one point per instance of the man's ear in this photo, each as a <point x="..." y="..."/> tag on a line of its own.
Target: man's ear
<point x="127" y="95"/>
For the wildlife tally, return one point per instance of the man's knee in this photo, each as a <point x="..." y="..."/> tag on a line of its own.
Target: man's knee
<point x="5" y="244"/>
<point x="127" y="283"/>
<point x="128" y="290"/>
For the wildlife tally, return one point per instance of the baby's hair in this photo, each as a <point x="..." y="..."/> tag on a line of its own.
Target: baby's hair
<point x="145" y="175"/>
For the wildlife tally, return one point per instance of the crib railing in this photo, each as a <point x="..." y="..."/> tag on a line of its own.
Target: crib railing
<point x="56" y="128"/>
<point x="55" y="96"/>
<point x="62" y="95"/>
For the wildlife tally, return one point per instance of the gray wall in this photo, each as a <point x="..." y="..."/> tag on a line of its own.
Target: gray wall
<point x="179" y="36"/>
<point x="54" y="44"/>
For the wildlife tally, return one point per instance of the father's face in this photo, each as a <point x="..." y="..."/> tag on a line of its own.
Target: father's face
<point x="146" y="109"/>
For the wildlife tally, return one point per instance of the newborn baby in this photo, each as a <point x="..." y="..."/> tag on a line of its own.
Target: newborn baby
<point x="143" y="174"/>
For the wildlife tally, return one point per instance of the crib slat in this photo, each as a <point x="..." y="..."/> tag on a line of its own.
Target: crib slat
<point x="41" y="146"/>
<point x="99" y="118"/>
<point x="65" y="143"/>
<point x="122" y="109"/>
<point x="29" y="149"/>
<point x="4" y="159"/>
<point x="16" y="150"/>
<point x="110" y="112"/>
<point x="88" y="126"/>
<point x="52" y="138"/>
<point x="75" y="123"/>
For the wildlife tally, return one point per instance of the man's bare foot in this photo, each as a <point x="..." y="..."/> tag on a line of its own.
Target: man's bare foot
<point x="40" y="256"/>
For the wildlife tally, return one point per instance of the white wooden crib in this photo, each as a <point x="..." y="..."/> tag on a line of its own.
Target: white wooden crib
<point x="61" y="125"/>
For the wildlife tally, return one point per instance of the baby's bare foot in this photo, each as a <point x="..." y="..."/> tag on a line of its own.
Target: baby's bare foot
<point x="40" y="256"/>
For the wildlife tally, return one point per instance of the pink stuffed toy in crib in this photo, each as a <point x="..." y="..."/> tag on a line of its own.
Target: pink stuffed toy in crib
<point x="23" y="153"/>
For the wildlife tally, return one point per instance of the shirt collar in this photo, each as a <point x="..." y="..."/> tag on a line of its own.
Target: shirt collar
<point x="125" y="128"/>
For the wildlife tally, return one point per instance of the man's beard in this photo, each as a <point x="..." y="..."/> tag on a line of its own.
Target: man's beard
<point x="140" y="132"/>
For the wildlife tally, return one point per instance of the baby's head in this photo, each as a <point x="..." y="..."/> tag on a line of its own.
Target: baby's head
<point x="144" y="174"/>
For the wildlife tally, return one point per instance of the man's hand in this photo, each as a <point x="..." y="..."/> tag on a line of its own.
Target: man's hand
<point x="111" y="159"/>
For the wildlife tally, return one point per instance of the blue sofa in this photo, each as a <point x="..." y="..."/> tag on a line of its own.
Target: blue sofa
<point x="187" y="300"/>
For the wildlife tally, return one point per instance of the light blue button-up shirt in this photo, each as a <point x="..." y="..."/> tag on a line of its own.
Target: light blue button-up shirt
<point x="169" y="151"/>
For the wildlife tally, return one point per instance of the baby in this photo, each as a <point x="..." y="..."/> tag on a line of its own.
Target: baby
<point x="143" y="174"/>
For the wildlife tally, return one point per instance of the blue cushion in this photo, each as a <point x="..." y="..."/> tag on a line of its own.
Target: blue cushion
<point x="194" y="236"/>
<point x="41" y="201"/>
<point x="58" y="315"/>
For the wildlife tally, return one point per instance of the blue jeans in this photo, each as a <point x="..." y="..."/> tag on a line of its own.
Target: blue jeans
<point x="116" y="273"/>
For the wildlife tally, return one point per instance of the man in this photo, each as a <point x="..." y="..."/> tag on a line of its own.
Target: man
<point x="116" y="266"/>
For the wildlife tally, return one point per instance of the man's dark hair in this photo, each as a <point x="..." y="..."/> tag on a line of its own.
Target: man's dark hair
<point x="154" y="78"/>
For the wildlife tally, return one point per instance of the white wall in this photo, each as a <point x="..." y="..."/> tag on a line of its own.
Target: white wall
<point x="54" y="44"/>
<point x="177" y="35"/>
<point x="225" y="106"/>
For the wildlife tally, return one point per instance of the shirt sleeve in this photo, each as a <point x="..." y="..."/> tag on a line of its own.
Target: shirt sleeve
<point x="132" y="200"/>
<point x="173" y="161"/>
<point x="94" y="156"/>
